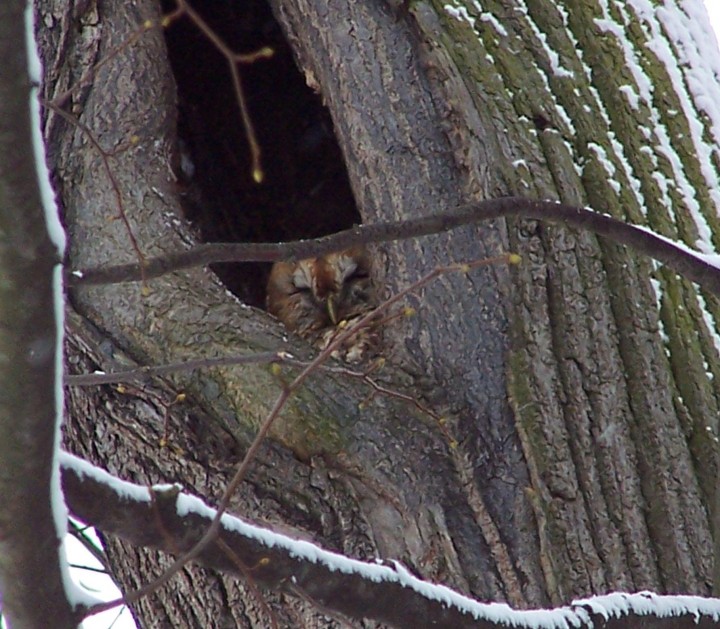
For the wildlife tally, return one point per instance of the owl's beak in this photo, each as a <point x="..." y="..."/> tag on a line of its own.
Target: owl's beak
<point x="332" y="313"/>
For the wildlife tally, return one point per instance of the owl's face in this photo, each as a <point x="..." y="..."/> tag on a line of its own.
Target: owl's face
<point x="315" y="294"/>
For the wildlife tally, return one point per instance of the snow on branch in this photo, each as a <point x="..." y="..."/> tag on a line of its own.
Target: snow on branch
<point x="163" y="517"/>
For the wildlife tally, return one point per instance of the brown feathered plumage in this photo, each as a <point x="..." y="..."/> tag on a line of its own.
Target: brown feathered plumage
<point x="312" y="296"/>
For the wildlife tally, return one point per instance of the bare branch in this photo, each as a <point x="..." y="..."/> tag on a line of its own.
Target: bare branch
<point x="143" y="373"/>
<point x="233" y="59"/>
<point x="675" y="256"/>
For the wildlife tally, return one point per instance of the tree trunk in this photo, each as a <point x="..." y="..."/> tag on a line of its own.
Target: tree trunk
<point x="580" y="387"/>
<point x="613" y="433"/>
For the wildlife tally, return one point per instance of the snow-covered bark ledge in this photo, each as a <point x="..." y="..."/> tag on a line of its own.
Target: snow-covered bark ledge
<point x="164" y="517"/>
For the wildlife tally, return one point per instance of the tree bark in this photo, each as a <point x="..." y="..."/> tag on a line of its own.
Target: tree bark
<point x="584" y="414"/>
<point x="613" y="450"/>
<point x="32" y="510"/>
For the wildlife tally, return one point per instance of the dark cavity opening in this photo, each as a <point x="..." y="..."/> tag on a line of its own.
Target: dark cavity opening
<point x="305" y="193"/>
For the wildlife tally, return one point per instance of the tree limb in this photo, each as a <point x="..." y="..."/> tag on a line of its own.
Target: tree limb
<point x="166" y="519"/>
<point x="694" y="266"/>
<point x="32" y="586"/>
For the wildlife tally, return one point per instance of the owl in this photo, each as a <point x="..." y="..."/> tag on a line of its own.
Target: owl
<point x="313" y="296"/>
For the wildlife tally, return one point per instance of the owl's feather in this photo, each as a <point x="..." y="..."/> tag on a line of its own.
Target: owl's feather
<point x="311" y="296"/>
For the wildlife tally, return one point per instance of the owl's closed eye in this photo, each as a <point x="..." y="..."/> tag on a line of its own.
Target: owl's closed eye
<point x="313" y="295"/>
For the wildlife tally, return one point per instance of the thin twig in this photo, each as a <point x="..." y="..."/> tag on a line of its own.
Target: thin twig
<point x="252" y="586"/>
<point x="233" y="59"/>
<point x="104" y="156"/>
<point x="403" y="397"/>
<point x="78" y="533"/>
<point x="141" y="373"/>
<point x="60" y="100"/>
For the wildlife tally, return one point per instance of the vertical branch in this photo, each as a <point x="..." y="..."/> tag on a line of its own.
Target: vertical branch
<point x="29" y="535"/>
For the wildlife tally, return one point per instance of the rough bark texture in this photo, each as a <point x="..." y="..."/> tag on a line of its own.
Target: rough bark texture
<point x="585" y="457"/>
<point x="31" y="511"/>
<point x="600" y="417"/>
